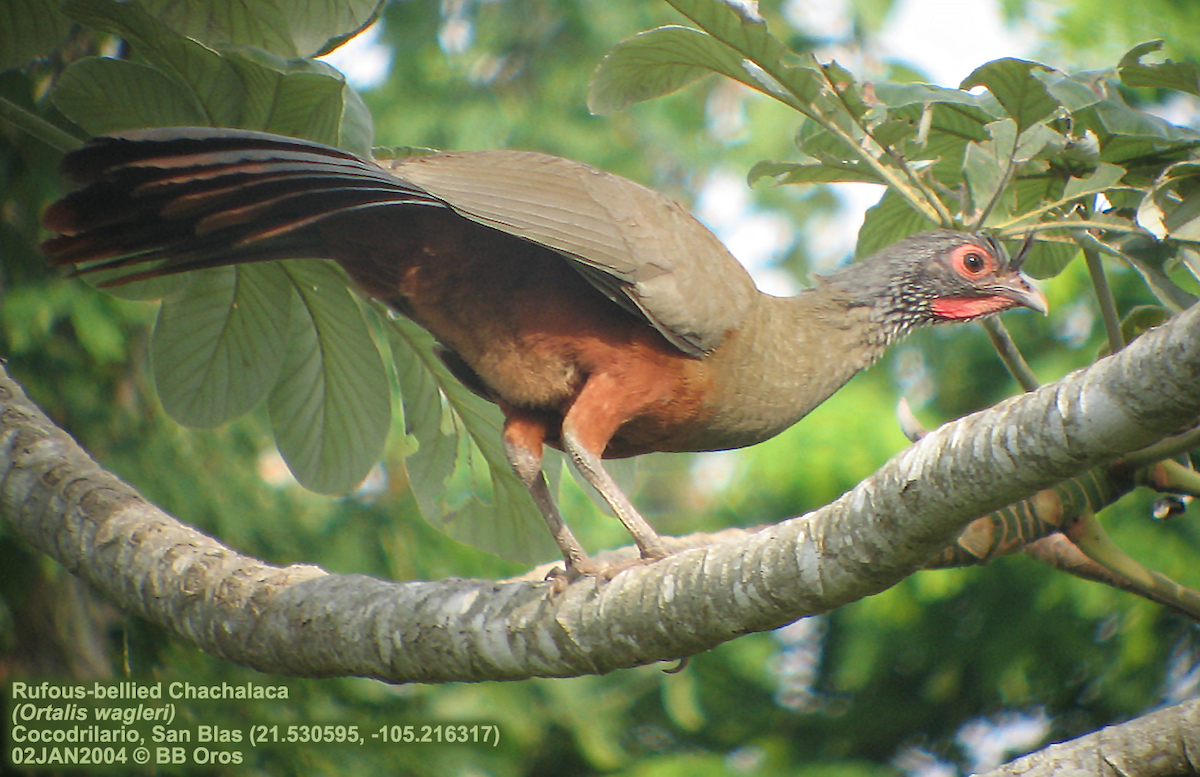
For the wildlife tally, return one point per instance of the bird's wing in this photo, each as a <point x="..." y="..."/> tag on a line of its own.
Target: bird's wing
<point x="639" y="247"/>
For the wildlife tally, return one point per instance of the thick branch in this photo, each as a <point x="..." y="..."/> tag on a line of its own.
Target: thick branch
<point x="302" y="621"/>
<point x="1165" y="743"/>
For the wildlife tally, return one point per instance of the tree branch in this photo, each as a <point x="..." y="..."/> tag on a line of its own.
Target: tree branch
<point x="1164" y="743"/>
<point x="301" y="621"/>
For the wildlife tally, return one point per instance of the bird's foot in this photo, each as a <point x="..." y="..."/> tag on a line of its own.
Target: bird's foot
<point x="600" y="572"/>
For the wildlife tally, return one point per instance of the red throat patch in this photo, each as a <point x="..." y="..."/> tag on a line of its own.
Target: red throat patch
<point x="958" y="308"/>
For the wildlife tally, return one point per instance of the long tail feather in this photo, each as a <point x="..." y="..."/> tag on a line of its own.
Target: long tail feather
<point x="194" y="197"/>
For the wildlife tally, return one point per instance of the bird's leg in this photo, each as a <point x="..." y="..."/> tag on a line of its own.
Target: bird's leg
<point x="523" y="436"/>
<point x="588" y="464"/>
<point x="586" y="430"/>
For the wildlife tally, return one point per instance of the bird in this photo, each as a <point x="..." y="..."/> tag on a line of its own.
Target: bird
<point x="599" y="315"/>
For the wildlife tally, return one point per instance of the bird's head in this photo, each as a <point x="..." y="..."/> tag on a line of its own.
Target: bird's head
<point x="937" y="277"/>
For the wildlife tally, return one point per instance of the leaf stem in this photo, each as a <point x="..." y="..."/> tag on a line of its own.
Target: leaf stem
<point x="38" y="127"/>
<point x="1009" y="354"/>
<point x="1162" y="450"/>
<point x="1104" y="297"/>
<point x="929" y="197"/>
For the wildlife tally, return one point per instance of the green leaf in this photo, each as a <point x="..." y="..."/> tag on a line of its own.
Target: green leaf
<point x="287" y="28"/>
<point x="986" y="164"/>
<point x="1150" y="258"/>
<point x="1142" y="319"/>
<point x="30" y="29"/>
<point x="214" y="83"/>
<point x="951" y="126"/>
<point x="357" y="131"/>
<point x="148" y="290"/>
<point x="1013" y="83"/>
<point x="658" y="62"/>
<point x="893" y="219"/>
<point x="1072" y="92"/>
<point x="216" y="349"/>
<point x="891" y="132"/>
<point x="824" y="172"/>
<point x="738" y="26"/>
<point x="289" y="98"/>
<point x="899" y="95"/>
<point x="1135" y="54"/>
<point x="1047" y="259"/>
<point x="104" y="95"/>
<point x="1038" y="141"/>
<point x="98" y="333"/>
<point x="1118" y="118"/>
<point x="1103" y="178"/>
<point x="1032" y="189"/>
<point x="1171" y="209"/>
<point x="459" y="475"/>
<point x="331" y="407"/>
<point x="183" y="82"/>
<point x="1177" y="76"/>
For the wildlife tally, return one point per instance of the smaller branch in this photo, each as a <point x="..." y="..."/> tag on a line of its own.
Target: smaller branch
<point x="1163" y="743"/>
<point x="1171" y="477"/>
<point x="1087" y="533"/>
<point x="1161" y="450"/>
<point x="1104" y="296"/>
<point x="1009" y="354"/>
<point x="979" y="220"/>
<point x="1058" y="552"/>
<point x="1018" y="227"/>
<point x="944" y="217"/>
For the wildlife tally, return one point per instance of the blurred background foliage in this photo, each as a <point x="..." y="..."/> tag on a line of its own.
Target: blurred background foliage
<point x="944" y="673"/>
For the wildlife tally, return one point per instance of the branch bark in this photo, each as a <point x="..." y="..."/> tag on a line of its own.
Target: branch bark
<point x="1164" y="743"/>
<point x="302" y="621"/>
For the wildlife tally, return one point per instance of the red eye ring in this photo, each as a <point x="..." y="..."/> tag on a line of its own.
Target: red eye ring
<point x="972" y="261"/>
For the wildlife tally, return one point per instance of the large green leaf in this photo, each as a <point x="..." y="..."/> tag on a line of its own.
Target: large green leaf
<point x="1013" y="83"/>
<point x="217" y="349"/>
<point x="331" y="408"/>
<point x="29" y="29"/>
<point x="291" y="99"/>
<point x="181" y="82"/>
<point x="1103" y="179"/>
<point x="1100" y="180"/>
<point x="1073" y="92"/>
<point x="1048" y="259"/>
<point x="738" y="26"/>
<point x="832" y="171"/>
<point x="1179" y="76"/>
<point x="899" y="95"/>
<point x="893" y="219"/>
<point x="658" y="62"/>
<point x="986" y="164"/>
<point x="211" y="79"/>
<point x="1172" y="206"/>
<point x="288" y="28"/>
<point x="459" y="474"/>
<point x="104" y="95"/>
<point x="951" y="124"/>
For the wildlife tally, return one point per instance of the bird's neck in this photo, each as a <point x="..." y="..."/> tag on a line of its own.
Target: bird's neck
<point x="885" y="308"/>
<point x="831" y="330"/>
<point x="790" y="356"/>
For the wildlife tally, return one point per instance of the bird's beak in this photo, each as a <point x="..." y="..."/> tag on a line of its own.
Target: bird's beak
<point x="1022" y="290"/>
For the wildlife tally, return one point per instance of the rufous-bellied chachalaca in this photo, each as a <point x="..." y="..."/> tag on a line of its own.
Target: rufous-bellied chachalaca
<point x="599" y="315"/>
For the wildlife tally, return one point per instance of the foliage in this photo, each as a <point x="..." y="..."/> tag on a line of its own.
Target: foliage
<point x="1065" y="156"/>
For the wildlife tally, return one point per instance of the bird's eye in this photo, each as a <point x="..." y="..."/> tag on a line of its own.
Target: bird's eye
<point x="973" y="262"/>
